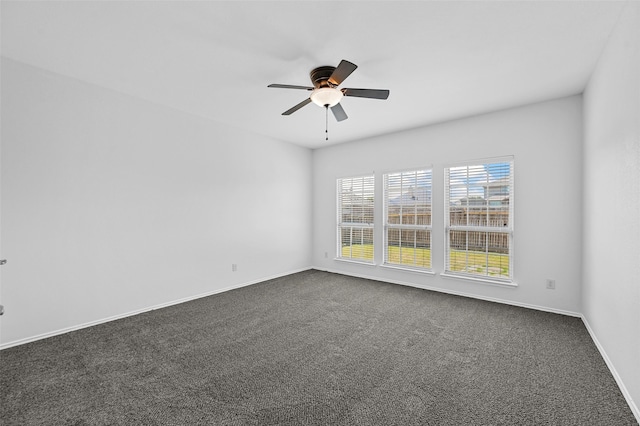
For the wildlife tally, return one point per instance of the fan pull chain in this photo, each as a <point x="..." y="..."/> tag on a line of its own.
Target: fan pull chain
<point x="326" y="123"/>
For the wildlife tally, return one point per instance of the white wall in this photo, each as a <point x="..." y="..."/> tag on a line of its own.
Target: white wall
<point x="611" y="264"/>
<point x="111" y="204"/>
<point x="545" y="140"/>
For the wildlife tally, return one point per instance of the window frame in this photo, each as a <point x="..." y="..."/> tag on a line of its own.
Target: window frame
<point x="403" y="227"/>
<point x="360" y="226"/>
<point x="507" y="229"/>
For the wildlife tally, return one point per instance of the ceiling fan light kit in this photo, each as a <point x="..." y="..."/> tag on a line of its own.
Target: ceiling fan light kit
<point x="325" y="92"/>
<point x="326" y="96"/>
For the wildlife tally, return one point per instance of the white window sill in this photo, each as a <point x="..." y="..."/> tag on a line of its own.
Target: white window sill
<point x="479" y="280"/>
<point x="407" y="269"/>
<point x="358" y="262"/>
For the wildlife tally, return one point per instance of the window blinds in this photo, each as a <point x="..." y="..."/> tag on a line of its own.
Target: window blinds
<point x="479" y="219"/>
<point x="407" y="212"/>
<point x="355" y="218"/>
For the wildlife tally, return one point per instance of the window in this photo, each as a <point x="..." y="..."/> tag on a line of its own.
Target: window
<point x="407" y="213"/>
<point x="355" y="218"/>
<point x="479" y="220"/>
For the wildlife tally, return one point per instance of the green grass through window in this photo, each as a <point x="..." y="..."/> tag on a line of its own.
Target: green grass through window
<point x="358" y="252"/>
<point x="477" y="262"/>
<point x="473" y="262"/>
<point x="409" y="256"/>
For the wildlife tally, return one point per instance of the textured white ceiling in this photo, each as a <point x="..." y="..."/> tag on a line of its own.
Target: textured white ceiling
<point x="440" y="60"/>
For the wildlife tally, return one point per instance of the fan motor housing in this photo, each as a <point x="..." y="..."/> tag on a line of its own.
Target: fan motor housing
<point x="320" y="76"/>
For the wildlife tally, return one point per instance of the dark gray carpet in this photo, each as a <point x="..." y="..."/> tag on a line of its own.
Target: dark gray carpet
<point x="317" y="348"/>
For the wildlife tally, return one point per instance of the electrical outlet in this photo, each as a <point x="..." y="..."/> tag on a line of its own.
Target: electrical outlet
<point x="326" y="254"/>
<point x="234" y="267"/>
<point x="551" y="284"/>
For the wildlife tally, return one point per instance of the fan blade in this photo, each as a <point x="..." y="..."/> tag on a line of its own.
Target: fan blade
<point x="289" y="86"/>
<point x="344" y="69"/>
<point x="367" y="93"/>
<point x="297" y="107"/>
<point x="338" y="112"/>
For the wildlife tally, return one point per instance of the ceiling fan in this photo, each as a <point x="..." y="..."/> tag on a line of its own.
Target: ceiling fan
<point x="325" y="92"/>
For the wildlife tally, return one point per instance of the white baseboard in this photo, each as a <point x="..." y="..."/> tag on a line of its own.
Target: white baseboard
<point x="614" y="372"/>
<point x="458" y="293"/>
<point x="143" y="310"/>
